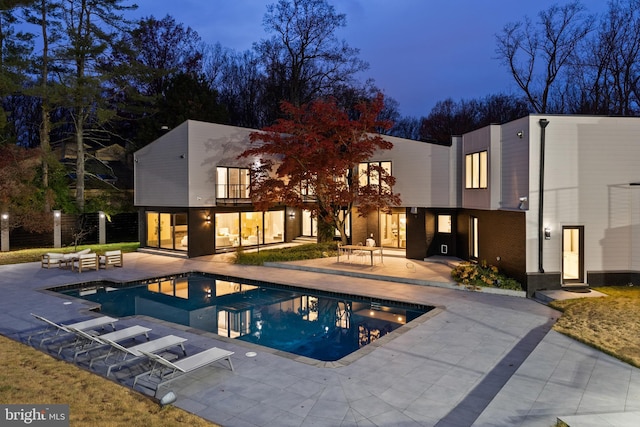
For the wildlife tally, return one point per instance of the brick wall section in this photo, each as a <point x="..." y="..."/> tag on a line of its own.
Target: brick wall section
<point x="501" y="234"/>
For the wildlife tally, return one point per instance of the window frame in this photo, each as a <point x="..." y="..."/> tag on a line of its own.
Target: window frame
<point x="476" y="170"/>
<point x="230" y="189"/>
<point x="368" y="177"/>
<point x="474" y="245"/>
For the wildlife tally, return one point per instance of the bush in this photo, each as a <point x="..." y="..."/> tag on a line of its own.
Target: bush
<point x="294" y="253"/>
<point x="476" y="275"/>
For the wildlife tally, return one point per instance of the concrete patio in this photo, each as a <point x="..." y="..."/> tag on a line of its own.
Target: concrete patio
<point x="479" y="359"/>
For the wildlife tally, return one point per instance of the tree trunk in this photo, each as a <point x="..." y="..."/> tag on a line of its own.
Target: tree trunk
<point x="325" y="230"/>
<point x="80" y="164"/>
<point x="45" y="127"/>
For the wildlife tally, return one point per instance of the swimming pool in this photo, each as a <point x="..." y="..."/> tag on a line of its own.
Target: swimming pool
<point x="321" y="325"/>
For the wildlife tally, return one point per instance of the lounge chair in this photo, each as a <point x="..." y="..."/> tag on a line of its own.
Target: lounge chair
<point x="111" y="258"/>
<point x="164" y="368"/>
<point x="87" y="262"/>
<point x="133" y="354"/>
<point x="52" y="259"/>
<point x="56" y="329"/>
<point x="72" y="257"/>
<point x="87" y="342"/>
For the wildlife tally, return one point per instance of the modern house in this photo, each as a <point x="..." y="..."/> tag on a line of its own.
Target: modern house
<point x="554" y="200"/>
<point x="572" y="218"/>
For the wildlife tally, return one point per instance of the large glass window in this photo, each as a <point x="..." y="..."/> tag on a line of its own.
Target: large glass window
<point x="167" y="230"/>
<point x="476" y="170"/>
<point x="393" y="230"/>
<point x="309" y="225"/>
<point x="251" y="223"/>
<point x="274" y="227"/>
<point x="368" y="174"/>
<point x="232" y="183"/>
<point x="444" y="223"/>
<point x="227" y="229"/>
<point x="248" y="228"/>
<point x="473" y="239"/>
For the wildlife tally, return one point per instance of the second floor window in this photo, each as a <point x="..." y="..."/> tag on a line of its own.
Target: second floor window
<point x="232" y="183"/>
<point x="476" y="170"/>
<point x="369" y="175"/>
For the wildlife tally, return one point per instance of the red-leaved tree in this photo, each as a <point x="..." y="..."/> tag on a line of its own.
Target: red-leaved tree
<point x="310" y="158"/>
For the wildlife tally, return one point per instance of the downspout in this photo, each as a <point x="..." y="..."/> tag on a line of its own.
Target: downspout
<point x="543" y="124"/>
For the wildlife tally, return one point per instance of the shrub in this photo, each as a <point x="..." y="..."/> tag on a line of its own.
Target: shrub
<point x="475" y="275"/>
<point x="294" y="253"/>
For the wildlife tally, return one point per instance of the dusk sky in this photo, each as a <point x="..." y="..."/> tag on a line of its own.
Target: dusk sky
<point x="419" y="51"/>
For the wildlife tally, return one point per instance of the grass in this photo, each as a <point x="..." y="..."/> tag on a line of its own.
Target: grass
<point x="33" y="377"/>
<point x="609" y="324"/>
<point x="33" y="255"/>
<point x="294" y="253"/>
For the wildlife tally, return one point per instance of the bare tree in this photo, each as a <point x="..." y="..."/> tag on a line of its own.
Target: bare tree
<point x="536" y="54"/>
<point x="304" y="59"/>
<point x="606" y="79"/>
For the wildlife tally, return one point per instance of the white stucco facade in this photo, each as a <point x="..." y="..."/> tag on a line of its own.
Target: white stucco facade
<point x="590" y="164"/>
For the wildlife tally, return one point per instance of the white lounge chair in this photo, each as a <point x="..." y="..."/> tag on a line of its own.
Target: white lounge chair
<point x="52" y="259"/>
<point x="88" y="342"/>
<point x="164" y="368"/>
<point x="134" y="353"/>
<point x="56" y="329"/>
<point x="111" y="258"/>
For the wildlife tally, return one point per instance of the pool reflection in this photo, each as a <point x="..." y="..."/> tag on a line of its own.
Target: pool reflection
<point x="304" y="322"/>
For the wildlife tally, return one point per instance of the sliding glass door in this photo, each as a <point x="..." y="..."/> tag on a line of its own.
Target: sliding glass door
<point x="167" y="230"/>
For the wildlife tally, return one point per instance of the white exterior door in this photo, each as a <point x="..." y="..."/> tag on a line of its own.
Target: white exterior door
<point x="573" y="254"/>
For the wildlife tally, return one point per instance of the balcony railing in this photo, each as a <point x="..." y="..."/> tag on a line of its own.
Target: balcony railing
<point x="232" y="194"/>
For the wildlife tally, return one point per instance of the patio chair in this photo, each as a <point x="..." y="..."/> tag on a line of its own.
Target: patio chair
<point x="164" y="368"/>
<point x="134" y="354"/>
<point x="87" y="342"/>
<point x="360" y="254"/>
<point x="72" y="257"/>
<point x="55" y="329"/>
<point x="87" y="262"/>
<point x="111" y="258"/>
<point x="52" y="259"/>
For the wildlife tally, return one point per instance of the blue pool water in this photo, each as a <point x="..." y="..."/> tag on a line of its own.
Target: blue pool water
<point x="322" y="326"/>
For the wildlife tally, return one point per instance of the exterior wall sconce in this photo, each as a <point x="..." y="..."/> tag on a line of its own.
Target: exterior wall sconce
<point x="520" y="134"/>
<point x="292" y="215"/>
<point x="523" y="202"/>
<point x="547" y="233"/>
<point x="207" y="219"/>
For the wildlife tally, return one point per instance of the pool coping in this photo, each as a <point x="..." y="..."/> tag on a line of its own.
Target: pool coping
<point x="344" y="361"/>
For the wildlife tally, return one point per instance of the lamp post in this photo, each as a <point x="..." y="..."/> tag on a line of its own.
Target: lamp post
<point x="57" y="229"/>
<point x="258" y="235"/>
<point x="4" y="232"/>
